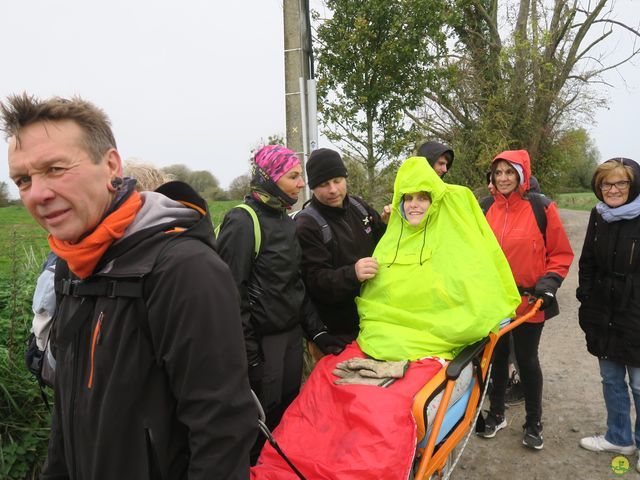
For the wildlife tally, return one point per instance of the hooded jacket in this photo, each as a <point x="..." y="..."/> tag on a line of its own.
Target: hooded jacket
<point x="432" y="151"/>
<point x="537" y="265"/>
<point x="272" y="293"/>
<point x="609" y="283"/>
<point x="442" y="284"/>
<point x="154" y="387"/>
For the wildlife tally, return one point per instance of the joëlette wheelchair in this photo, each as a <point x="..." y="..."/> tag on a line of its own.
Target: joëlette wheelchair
<point x="447" y="407"/>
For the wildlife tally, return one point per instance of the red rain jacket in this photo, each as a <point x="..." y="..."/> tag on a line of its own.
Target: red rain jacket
<point x="535" y="265"/>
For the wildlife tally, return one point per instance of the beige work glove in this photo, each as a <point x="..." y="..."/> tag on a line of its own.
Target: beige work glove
<point x="364" y="371"/>
<point x="368" y="367"/>
<point x="352" y="377"/>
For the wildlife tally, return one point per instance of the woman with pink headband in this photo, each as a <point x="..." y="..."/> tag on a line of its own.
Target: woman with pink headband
<point x="275" y="308"/>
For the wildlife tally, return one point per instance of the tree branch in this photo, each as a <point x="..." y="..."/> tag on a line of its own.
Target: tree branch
<point x="615" y="22"/>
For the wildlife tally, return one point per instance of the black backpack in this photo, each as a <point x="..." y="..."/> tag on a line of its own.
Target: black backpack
<point x="539" y="204"/>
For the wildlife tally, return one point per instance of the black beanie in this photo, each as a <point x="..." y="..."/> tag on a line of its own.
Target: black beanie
<point x="324" y="164"/>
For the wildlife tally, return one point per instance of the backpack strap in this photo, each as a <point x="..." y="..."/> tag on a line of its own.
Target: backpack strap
<point x="539" y="204"/>
<point x="356" y="203"/>
<point x="89" y="292"/>
<point x="313" y="212"/>
<point x="257" y="234"/>
<point x="111" y="288"/>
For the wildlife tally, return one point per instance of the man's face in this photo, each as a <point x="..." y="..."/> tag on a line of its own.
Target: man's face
<point x="331" y="192"/>
<point x="59" y="184"/>
<point x="440" y="166"/>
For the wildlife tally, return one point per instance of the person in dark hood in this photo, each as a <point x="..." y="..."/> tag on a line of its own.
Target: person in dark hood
<point x="150" y="378"/>
<point x="534" y="185"/>
<point x="275" y="308"/>
<point x="439" y="156"/>
<point x="608" y="291"/>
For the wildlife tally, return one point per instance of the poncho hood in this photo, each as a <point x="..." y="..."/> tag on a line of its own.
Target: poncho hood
<point x="442" y="284"/>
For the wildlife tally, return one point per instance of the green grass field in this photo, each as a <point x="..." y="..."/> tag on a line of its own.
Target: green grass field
<point x="21" y="236"/>
<point x="576" y="201"/>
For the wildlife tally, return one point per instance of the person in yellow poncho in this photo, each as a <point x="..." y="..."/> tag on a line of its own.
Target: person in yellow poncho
<point x="443" y="283"/>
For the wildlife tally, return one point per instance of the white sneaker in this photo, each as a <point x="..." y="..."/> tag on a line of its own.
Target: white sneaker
<point x="599" y="444"/>
<point x="638" y="464"/>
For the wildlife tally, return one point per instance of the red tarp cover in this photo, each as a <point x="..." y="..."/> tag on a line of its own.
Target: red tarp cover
<point x="347" y="432"/>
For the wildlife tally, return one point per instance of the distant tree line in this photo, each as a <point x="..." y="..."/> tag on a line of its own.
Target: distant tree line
<point x="207" y="185"/>
<point x="4" y="194"/>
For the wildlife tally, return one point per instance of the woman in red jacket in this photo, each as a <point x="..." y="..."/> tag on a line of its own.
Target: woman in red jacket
<point x="539" y="261"/>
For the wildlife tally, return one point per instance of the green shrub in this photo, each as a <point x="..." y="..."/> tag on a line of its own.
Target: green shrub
<point x="24" y="418"/>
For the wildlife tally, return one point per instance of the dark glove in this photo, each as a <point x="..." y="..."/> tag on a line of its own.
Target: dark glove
<point x="329" y="343"/>
<point x="547" y="298"/>
<point x="256" y="374"/>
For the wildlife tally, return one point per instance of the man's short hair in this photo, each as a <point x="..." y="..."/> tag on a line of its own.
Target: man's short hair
<point x="20" y="111"/>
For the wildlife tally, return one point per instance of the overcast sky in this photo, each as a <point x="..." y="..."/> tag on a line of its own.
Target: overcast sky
<point x="198" y="82"/>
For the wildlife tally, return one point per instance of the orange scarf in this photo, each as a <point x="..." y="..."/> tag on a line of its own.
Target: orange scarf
<point x="82" y="257"/>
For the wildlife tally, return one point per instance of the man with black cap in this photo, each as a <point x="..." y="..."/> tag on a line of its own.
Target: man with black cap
<point x="338" y="233"/>
<point x="439" y="156"/>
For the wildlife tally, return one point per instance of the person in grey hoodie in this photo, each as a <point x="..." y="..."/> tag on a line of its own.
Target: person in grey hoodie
<point x="151" y="375"/>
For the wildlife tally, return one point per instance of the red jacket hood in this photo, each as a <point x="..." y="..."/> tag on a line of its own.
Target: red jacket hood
<point x="521" y="157"/>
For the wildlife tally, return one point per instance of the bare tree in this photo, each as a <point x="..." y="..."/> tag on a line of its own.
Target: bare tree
<point x="521" y="73"/>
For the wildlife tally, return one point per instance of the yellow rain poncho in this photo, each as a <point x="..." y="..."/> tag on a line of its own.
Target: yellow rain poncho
<point x="441" y="285"/>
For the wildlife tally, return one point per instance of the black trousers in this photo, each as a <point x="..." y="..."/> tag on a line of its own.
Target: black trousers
<point x="282" y="377"/>
<point x="526" y="339"/>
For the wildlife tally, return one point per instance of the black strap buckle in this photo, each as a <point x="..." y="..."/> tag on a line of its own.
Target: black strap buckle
<point x="69" y="287"/>
<point x="111" y="289"/>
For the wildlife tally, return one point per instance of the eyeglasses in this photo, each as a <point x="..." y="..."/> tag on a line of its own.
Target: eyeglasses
<point x="621" y="185"/>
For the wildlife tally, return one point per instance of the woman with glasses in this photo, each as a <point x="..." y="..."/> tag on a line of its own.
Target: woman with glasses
<point x="609" y="294"/>
<point x="539" y="262"/>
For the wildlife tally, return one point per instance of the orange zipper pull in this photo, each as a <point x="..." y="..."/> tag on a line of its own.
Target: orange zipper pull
<point x="95" y="339"/>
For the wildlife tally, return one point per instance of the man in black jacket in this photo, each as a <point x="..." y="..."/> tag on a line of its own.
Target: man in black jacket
<point x="337" y="233"/>
<point x="151" y="372"/>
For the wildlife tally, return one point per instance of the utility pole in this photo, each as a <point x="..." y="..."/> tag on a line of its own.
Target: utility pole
<point x="300" y="98"/>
